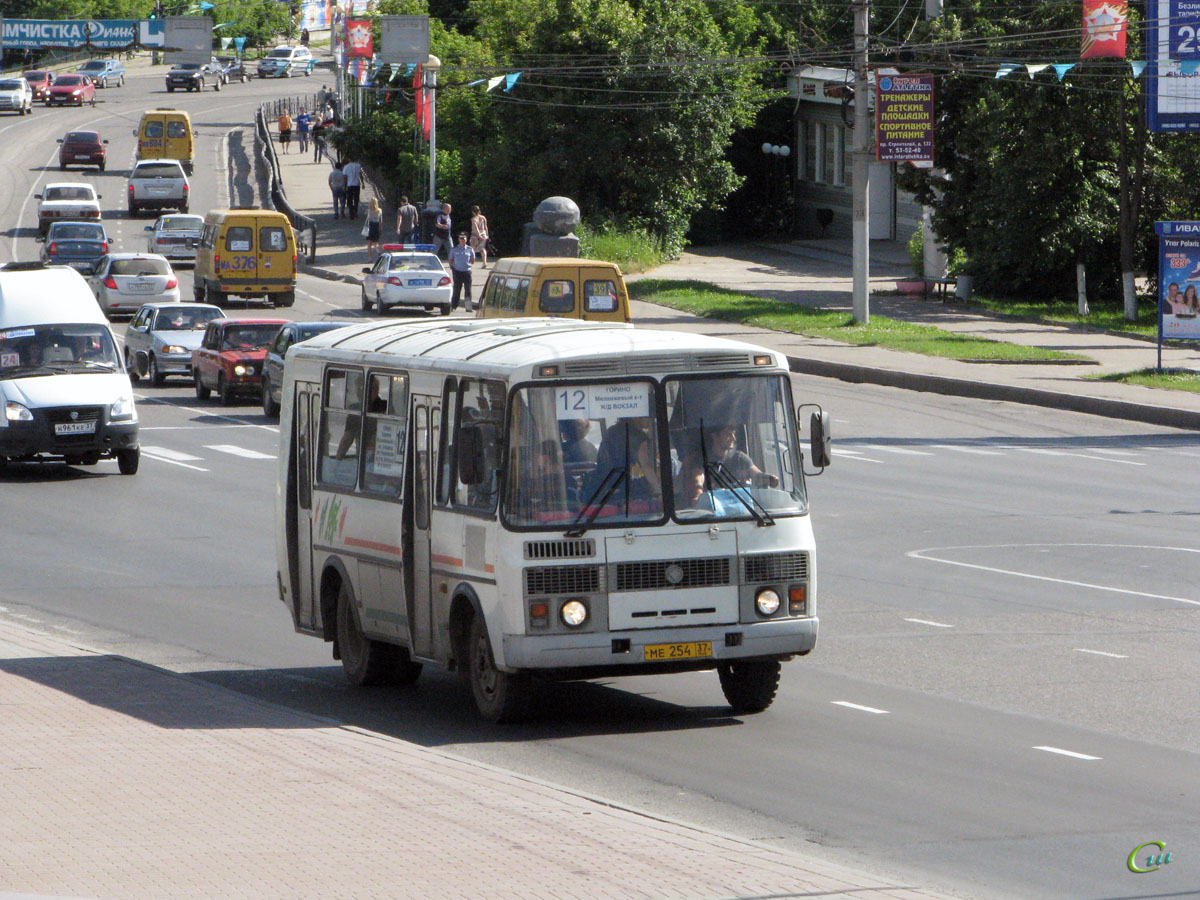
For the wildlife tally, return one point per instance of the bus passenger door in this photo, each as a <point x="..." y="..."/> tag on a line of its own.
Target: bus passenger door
<point x="417" y="564"/>
<point x="299" y="506"/>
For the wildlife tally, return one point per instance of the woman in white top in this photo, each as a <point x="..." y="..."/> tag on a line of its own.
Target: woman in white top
<point x="373" y="227"/>
<point x="479" y="234"/>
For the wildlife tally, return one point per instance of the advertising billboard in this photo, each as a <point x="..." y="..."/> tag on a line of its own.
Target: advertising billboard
<point x="1178" y="280"/>
<point x="904" y="118"/>
<point x="1173" y="53"/>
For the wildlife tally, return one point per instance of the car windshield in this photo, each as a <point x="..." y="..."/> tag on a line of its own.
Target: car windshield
<point x="94" y="66"/>
<point x="157" y="170"/>
<point x="423" y="262"/>
<point x="36" y="76"/>
<point x="184" y="319"/>
<point x="181" y="223"/>
<point x="49" y="349"/>
<point x="188" y="67"/>
<point x="249" y="336"/>
<point x="307" y="331"/>
<point x="282" y="53"/>
<point x="82" y="137"/>
<point x="9" y="85"/>
<point x="143" y="265"/>
<point x="68" y="193"/>
<point x="70" y="81"/>
<point x="76" y="231"/>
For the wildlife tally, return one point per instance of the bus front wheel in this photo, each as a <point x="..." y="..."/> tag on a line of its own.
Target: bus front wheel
<point x="500" y="696"/>
<point x="749" y="686"/>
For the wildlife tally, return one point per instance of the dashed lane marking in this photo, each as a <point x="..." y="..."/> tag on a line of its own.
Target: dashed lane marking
<point x="849" y="705"/>
<point x="927" y="622"/>
<point x="1102" y="653"/>
<point x="238" y="451"/>
<point x="1070" y="753"/>
<point x="176" y="455"/>
<point x="854" y="454"/>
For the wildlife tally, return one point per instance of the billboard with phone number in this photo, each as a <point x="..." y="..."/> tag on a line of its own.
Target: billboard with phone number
<point x="1178" y="280"/>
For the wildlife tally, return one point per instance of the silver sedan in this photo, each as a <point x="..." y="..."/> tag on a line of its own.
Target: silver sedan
<point x="161" y="337"/>
<point x="175" y="236"/>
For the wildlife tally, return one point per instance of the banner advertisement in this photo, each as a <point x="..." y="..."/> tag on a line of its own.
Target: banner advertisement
<point x="358" y="39"/>
<point x="316" y="15"/>
<point x="1178" y="280"/>
<point x="1173" y="77"/>
<point x="904" y="118"/>
<point x="1104" y="29"/>
<point x="35" y="34"/>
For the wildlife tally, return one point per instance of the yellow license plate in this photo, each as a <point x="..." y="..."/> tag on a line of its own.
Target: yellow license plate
<point x="666" y="652"/>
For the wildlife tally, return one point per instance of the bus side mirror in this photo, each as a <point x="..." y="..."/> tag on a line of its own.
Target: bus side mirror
<point x="818" y="427"/>
<point x="470" y="454"/>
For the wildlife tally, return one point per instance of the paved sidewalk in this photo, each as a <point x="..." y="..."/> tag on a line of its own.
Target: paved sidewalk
<point x="125" y="781"/>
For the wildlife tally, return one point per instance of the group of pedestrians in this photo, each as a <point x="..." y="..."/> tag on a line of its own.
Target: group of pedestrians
<point x="345" y="182"/>
<point x="308" y="128"/>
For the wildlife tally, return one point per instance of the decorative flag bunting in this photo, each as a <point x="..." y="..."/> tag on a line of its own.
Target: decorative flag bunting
<point x="1137" y="66"/>
<point x="225" y="42"/>
<point x="239" y="42"/>
<point x="1189" y="66"/>
<point x="222" y="25"/>
<point x="1062" y="69"/>
<point x="1006" y="69"/>
<point x="1104" y="28"/>
<point x="1033" y="70"/>
<point x="494" y="82"/>
<point x="510" y="80"/>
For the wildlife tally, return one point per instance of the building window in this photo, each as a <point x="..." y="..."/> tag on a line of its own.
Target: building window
<point x="810" y="151"/>
<point x="829" y="154"/>
<point x="839" y="156"/>
<point x="847" y="156"/>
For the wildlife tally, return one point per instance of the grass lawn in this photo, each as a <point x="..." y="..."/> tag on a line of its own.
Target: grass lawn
<point x="1109" y="317"/>
<point x="1173" y="379"/>
<point x="702" y="298"/>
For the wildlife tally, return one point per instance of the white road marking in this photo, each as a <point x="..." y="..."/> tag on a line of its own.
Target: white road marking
<point x="176" y="455"/>
<point x="173" y="462"/>
<point x="238" y="451"/>
<point x="1070" y="753"/>
<point x="927" y="622"/>
<point x="315" y="297"/>
<point x="902" y="450"/>
<point x="1045" y="452"/>
<point x="974" y="450"/>
<point x="919" y="554"/>
<point x="1111" y="452"/>
<point x="1102" y="653"/>
<point x="849" y="705"/>
<point x="853" y="454"/>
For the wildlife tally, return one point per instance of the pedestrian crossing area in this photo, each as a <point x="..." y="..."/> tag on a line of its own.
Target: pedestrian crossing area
<point x="218" y="453"/>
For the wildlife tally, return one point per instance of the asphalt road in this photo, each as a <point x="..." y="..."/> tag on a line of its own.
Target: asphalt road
<point x="1002" y="700"/>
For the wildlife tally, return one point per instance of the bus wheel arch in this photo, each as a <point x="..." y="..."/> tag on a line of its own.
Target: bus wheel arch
<point x="332" y="577"/>
<point x="464" y="608"/>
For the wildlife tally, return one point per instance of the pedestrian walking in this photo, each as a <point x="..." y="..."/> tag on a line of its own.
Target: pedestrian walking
<point x="462" y="258"/>
<point x="285" y="130"/>
<point x="318" y="139"/>
<point x="303" y="126"/>
<point x="353" y="186"/>
<point x="372" y="228"/>
<point x="408" y="223"/>
<point x="442" y="228"/>
<point x="479" y="234"/>
<point x="337" y="184"/>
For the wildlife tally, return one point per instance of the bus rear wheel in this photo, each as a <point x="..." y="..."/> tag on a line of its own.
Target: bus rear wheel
<point x="749" y="686"/>
<point x="500" y="696"/>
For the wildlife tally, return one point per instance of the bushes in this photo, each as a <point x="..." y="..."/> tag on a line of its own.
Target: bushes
<point x="633" y="248"/>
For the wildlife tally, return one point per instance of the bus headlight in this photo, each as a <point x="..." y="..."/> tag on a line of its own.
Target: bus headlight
<point x="573" y="613"/>
<point x="767" y="602"/>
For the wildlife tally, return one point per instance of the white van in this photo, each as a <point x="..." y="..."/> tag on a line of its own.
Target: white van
<point x="64" y="391"/>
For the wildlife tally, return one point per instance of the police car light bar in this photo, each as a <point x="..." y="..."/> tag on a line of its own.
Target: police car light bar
<point x="413" y="248"/>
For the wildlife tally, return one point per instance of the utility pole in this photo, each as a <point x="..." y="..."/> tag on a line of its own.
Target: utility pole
<point x="862" y="168"/>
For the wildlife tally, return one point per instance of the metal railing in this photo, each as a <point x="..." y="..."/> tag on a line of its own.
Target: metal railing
<point x="304" y="226"/>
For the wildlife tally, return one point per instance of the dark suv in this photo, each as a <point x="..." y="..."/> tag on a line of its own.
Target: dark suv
<point x="233" y="69"/>
<point x="190" y="77"/>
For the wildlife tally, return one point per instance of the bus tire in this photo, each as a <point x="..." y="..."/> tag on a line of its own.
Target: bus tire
<point x="364" y="661"/>
<point x="749" y="686"/>
<point x="499" y="696"/>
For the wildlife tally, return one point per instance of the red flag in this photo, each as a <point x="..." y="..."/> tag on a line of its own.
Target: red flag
<point x="1104" y="28"/>
<point x="422" y="102"/>
<point x="358" y="38"/>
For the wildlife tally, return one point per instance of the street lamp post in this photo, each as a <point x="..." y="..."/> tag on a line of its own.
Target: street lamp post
<point x="780" y="152"/>
<point x="432" y="64"/>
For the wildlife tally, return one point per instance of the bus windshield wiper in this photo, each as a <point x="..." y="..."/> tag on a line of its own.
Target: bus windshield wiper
<point x="591" y="509"/>
<point x="718" y="473"/>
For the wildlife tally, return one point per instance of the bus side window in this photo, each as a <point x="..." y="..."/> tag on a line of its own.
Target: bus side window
<point x="445" y="477"/>
<point x="385" y="434"/>
<point x="341" y="424"/>
<point x="481" y="404"/>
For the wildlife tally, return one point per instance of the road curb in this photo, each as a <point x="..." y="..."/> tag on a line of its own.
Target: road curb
<point x="329" y="274"/>
<point x="982" y="390"/>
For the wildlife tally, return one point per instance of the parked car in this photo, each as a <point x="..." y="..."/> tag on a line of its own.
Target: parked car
<point x="284" y="62"/>
<point x="122" y="282"/>
<point x="39" y="82"/>
<point x="80" y="245"/>
<point x="157" y="184"/>
<point x="161" y="337"/>
<point x="16" y="95"/>
<point x="230" y="358"/>
<point x="407" y="278"/>
<point x="175" y="236"/>
<point x="66" y="201"/>
<point x="193" y="76"/>
<point x="233" y="68"/>
<point x="272" y="374"/>
<point x="73" y="88"/>
<point x="104" y="71"/>
<point x="82" y="148"/>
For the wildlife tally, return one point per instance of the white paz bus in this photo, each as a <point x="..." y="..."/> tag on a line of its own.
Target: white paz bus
<point x="521" y="499"/>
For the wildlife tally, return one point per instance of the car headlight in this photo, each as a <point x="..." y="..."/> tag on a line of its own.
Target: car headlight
<point x="573" y="613"/>
<point x="15" y="412"/>
<point x="171" y="348"/>
<point x="243" y="369"/>
<point x="767" y="602"/>
<point x="121" y="410"/>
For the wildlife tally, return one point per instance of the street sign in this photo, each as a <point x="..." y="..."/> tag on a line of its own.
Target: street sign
<point x="189" y="38"/>
<point x="405" y="39"/>
<point x="36" y="34"/>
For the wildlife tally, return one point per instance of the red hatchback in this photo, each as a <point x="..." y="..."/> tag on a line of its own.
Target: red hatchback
<point x="40" y="82"/>
<point x="81" y="148"/>
<point x="77" y="89"/>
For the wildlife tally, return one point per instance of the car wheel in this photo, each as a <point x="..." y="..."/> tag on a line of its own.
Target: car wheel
<point x="270" y="407"/>
<point x="446" y="309"/>
<point x="101" y="167"/>
<point x="131" y="368"/>
<point x="287" y="298"/>
<point x="184" y="208"/>
<point x="379" y="307"/>
<point x="224" y="390"/>
<point x="156" y="377"/>
<point x="202" y="392"/>
<point x="245" y="79"/>
<point x="499" y="696"/>
<point x="366" y="304"/>
<point x="121" y="82"/>
<point x="170" y="89"/>
<point x="217" y="85"/>
<point x="127" y="461"/>
<point x="213" y="296"/>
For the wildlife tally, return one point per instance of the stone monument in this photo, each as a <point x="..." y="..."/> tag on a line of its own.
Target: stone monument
<point x="552" y="231"/>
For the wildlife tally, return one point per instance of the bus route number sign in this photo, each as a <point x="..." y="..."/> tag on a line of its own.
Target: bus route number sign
<point x="603" y="401"/>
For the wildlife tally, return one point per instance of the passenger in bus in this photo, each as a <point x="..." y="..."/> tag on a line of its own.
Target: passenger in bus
<point x="722" y="449"/>
<point x="645" y="479"/>
<point x="690" y="490"/>
<point x="617" y="450"/>
<point x="576" y="448"/>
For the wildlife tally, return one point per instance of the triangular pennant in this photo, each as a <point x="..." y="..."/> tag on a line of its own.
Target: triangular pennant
<point x="510" y="80"/>
<point x="409" y="69"/>
<point x="1034" y="69"/>
<point x="1005" y="70"/>
<point x="475" y="83"/>
<point x="239" y="42"/>
<point x="493" y="83"/>
<point x="225" y="42"/>
<point x="1137" y="66"/>
<point x="1062" y="69"/>
<point x="1189" y="66"/>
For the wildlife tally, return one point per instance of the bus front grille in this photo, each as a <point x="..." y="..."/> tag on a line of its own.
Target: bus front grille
<point x="549" y="581"/>
<point x="774" y="568"/>
<point x="669" y="574"/>
<point x="564" y="549"/>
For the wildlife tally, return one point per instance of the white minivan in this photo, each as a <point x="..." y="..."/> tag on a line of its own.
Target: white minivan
<point x="65" y="393"/>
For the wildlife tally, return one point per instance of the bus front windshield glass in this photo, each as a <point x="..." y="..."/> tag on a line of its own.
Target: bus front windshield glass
<point x="585" y="455"/>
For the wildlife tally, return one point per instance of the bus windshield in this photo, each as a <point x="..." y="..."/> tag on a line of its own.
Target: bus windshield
<point x="593" y="454"/>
